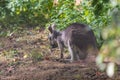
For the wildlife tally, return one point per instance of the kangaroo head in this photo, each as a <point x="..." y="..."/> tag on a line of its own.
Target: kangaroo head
<point x="53" y="36"/>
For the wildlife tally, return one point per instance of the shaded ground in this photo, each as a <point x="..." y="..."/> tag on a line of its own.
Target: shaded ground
<point x="27" y="57"/>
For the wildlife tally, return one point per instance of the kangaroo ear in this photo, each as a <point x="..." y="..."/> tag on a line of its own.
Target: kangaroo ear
<point x="50" y="29"/>
<point x="53" y="26"/>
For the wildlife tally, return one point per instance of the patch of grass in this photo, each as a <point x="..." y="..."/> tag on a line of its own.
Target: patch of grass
<point x="36" y="55"/>
<point x="10" y="53"/>
<point x="1" y="72"/>
<point x="77" y="76"/>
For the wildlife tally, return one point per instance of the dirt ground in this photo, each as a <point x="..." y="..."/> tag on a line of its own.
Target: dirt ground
<point x="26" y="56"/>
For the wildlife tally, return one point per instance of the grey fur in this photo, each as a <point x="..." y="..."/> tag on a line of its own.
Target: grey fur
<point x="79" y="39"/>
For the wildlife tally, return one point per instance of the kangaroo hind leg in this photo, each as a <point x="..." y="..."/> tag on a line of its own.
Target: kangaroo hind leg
<point x="72" y="51"/>
<point x="82" y="55"/>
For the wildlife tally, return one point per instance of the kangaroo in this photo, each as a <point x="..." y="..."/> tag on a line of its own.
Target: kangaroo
<point x="78" y="38"/>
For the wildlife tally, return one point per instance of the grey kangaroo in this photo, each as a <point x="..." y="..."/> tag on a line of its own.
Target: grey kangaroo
<point x="78" y="38"/>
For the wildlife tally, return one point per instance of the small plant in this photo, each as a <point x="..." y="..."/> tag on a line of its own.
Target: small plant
<point x="35" y="55"/>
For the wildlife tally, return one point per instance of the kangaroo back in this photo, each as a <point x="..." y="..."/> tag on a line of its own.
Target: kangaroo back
<point x="81" y="40"/>
<point x="80" y="35"/>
